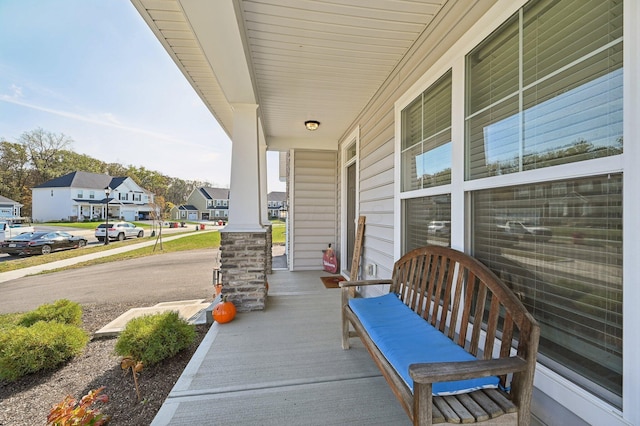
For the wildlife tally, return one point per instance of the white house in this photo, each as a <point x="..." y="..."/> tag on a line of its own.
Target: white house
<point x="83" y="196"/>
<point x="276" y="203"/>
<point x="476" y="113"/>
<point x="9" y="209"/>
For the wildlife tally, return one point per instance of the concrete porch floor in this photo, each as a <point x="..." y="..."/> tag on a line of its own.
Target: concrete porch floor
<point x="283" y="366"/>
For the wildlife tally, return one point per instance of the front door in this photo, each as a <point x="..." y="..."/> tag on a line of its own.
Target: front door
<point x="351" y="215"/>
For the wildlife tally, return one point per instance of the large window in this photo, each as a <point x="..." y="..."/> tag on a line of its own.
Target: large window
<point x="546" y="88"/>
<point x="558" y="245"/>
<point x="426" y="138"/>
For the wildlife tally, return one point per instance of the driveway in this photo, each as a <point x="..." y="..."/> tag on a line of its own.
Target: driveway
<point x="164" y="277"/>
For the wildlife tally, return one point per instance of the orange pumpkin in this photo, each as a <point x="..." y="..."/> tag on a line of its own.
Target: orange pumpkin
<point x="224" y="311"/>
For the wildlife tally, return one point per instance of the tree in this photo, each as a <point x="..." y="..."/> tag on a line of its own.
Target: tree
<point x="44" y="152"/>
<point x="72" y="161"/>
<point x="15" y="174"/>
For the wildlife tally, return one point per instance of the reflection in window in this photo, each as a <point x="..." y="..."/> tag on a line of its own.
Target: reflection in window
<point x="427" y="220"/>
<point x="561" y="253"/>
<point x="565" y="103"/>
<point x="426" y="138"/>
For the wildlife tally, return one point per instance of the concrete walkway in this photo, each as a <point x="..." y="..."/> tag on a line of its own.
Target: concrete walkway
<point x="283" y="366"/>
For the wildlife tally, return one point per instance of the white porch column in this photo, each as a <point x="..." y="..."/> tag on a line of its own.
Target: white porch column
<point x="243" y="240"/>
<point x="264" y="204"/>
<point x="244" y="196"/>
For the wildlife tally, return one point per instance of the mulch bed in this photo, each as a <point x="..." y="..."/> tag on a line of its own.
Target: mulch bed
<point x="29" y="399"/>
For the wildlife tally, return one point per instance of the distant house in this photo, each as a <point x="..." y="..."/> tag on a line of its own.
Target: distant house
<point x="9" y="209"/>
<point x="184" y="212"/>
<point x="209" y="203"/>
<point x="275" y="203"/>
<point x="82" y="196"/>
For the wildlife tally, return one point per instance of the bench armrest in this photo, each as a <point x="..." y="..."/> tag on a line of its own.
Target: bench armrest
<point x="450" y="371"/>
<point x="344" y="284"/>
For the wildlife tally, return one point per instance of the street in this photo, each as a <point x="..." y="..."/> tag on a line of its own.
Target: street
<point x="159" y="278"/>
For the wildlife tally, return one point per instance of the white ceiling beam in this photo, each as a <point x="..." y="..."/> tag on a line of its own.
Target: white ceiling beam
<point x="215" y="24"/>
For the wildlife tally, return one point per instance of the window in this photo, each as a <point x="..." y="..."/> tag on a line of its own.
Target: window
<point x="546" y="88"/>
<point x="562" y="255"/>
<point x="80" y="194"/>
<point x="426" y="138"/>
<point x="425" y="163"/>
<point x="92" y="195"/>
<point x="427" y="220"/>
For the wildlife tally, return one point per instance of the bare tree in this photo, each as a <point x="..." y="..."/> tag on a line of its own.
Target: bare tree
<point x="44" y="151"/>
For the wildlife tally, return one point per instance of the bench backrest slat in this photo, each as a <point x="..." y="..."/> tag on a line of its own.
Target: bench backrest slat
<point x="481" y="299"/>
<point x="492" y="326"/>
<point x="456" y="303"/>
<point x="446" y="304"/>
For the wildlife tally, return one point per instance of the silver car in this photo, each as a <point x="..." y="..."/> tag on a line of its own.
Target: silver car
<point x="119" y="231"/>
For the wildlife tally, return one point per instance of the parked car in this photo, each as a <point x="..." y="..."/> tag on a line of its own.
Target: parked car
<point x="119" y="231"/>
<point x="439" y="227"/>
<point x="41" y="242"/>
<point x="527" y="231"/>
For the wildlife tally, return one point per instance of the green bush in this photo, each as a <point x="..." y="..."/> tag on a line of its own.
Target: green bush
<point x="43" y="346"/>
<point x="152" y="338"/>
<point x="63" y="311"/>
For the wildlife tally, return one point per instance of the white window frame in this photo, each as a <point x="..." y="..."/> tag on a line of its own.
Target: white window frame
<point x="350" y="141"/>
<point x="564" y="392"/>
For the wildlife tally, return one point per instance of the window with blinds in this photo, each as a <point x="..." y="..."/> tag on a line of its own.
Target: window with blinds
<point x="426" y="138"/>
<point x="546" y="88"/>
<point x="427" y="220"/>
<point x="558" y="245"/>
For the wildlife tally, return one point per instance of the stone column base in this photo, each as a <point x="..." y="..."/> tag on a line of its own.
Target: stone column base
<point x="243" y="266"/>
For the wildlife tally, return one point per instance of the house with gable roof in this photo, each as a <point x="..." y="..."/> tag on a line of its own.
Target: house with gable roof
<point x="204" y="203"/>
<point x="83" y="196"/>
<point x="9" y="209"/>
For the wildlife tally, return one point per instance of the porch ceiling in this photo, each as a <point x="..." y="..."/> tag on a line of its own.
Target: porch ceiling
<point x="298" y="59"/>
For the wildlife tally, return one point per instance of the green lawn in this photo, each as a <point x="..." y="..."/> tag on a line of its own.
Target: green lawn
<point x="278" y="229"/>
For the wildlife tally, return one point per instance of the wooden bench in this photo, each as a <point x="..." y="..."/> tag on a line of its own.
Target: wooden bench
<point x="456" y="296"/>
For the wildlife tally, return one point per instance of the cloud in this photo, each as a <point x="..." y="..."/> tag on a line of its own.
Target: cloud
<point x="102" y="119"/>
<point x="17" y="91"/>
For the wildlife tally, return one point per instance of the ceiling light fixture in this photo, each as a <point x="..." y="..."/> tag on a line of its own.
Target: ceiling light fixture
<point x="311" y="124"/>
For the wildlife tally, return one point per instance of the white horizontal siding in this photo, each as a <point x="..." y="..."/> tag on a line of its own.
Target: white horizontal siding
<point x="314" y="207"/>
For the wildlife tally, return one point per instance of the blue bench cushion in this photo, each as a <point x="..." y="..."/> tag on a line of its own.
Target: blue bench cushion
<point x="404" y="339"/>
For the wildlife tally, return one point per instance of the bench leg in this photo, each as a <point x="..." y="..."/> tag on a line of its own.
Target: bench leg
<point x="422" y="404"/>
<point x="345" y="332"/>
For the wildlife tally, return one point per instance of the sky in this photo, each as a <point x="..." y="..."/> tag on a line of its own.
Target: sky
<point x="93" y="71"/>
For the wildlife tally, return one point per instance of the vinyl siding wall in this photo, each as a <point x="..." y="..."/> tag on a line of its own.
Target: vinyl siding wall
<point x="313" y="213"/>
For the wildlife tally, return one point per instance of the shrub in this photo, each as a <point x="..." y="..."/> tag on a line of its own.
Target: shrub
<point x="152" y="338"/>
<point x="63" y="311"/>
<point x="43" y="346"/>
